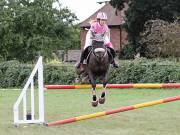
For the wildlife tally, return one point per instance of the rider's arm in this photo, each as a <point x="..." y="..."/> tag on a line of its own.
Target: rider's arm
<point x="92" y="30"/>
<point x="107" y="33"/>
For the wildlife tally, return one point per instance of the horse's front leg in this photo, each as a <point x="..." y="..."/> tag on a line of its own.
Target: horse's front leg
<point x="103" y="94"/>
<point x="93" y="83"/>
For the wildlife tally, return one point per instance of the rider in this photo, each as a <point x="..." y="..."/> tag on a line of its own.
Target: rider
<point x="98" y="28"/>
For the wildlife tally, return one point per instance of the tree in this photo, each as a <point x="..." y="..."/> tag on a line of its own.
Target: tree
<point x="29" y="28"/>
<point x="140" y="11"/>
<point x="161" y="39"/>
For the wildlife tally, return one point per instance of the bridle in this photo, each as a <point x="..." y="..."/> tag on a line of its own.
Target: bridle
<point x="100" y="49"/>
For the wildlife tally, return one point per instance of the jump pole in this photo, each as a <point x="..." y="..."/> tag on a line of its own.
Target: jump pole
<point x="119" y="86"/>
<point x="109" y="112"/>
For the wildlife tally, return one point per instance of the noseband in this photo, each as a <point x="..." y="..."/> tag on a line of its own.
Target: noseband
<point x="100" y="50"/>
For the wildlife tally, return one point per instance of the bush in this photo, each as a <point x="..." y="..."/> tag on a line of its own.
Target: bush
<point x="9" y="73"/>
<point x="146" y="71"/>
<point x="23" y="75"/>
<point x="54" y="74"/>
<point x="14" y="74"/>
<point x="160" y="39"/>
<point x="128" y="51"/>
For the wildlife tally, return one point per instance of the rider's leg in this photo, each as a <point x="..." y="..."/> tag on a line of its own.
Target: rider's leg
<point x="109" y="44"/>
<point x="81" y="59"/>
<point x="88" y="43"/>
<point x="114" y="63"/>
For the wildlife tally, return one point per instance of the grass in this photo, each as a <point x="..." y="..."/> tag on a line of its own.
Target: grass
<point x="156" y="120"/>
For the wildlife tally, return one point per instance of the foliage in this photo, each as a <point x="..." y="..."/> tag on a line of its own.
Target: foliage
<point x="145" y="71"/>
<point x="140" y="11"/>
<point x="160" y="39"/>
<point x="127" y="51"/>
<point x="30" y="28"/>
<point x="9" y="73"/>
<point x="59" y="74"/>
<point x="14" y="74"/>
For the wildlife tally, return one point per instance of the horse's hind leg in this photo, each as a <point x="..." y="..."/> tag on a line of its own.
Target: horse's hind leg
<point x="103" y="94"/>
<point x="93" y="83"/>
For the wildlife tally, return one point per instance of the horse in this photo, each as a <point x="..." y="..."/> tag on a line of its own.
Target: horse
<point x="97" y="66"/>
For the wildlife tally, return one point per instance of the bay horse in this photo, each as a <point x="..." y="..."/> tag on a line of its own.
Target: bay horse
<point x="98" y="63"/>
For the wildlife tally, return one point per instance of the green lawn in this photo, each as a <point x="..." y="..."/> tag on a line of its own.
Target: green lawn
<point x="162" y="119"/>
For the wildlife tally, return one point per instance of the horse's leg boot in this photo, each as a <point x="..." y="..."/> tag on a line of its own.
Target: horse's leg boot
<point x="94" y="103"/>
<point x="102" y="100"/>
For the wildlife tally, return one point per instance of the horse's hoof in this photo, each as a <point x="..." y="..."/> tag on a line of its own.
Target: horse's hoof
<point x="102" y="100"/>
<point x="94" y="103"/>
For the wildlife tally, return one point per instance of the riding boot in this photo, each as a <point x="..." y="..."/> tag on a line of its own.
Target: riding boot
<point x="115" y="65"/>
<point x="81" y="60"/>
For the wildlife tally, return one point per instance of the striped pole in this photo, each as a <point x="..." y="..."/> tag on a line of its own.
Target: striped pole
<point x="138" y="85"/>
<point x="121" y="109"/>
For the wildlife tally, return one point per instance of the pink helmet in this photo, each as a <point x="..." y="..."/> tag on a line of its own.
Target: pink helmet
<point x="102" y="16"/>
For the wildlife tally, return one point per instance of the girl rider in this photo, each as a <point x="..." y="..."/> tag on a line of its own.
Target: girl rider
<point x="100" y="29"/>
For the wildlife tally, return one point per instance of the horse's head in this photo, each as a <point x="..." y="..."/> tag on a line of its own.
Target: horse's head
<point x="99" y="49"/>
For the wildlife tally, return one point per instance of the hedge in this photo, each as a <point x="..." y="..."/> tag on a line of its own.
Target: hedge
<point x="15" y="74"/>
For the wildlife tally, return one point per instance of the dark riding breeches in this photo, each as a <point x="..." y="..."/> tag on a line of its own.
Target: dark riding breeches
<point x="85" y="53"/>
